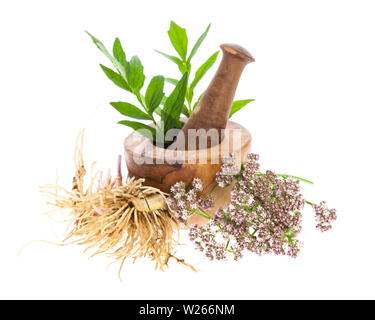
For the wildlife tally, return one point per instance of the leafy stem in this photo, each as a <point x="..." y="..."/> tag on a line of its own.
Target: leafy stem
<point x="179" y="41"/>
<point x="129" y="76"/>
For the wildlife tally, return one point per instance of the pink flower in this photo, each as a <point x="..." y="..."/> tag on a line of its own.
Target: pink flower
<point x="324" y="216"/>
<point x="264" y="215"/>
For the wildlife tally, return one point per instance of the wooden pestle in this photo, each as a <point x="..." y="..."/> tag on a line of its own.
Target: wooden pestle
<point x="212" y="111"/>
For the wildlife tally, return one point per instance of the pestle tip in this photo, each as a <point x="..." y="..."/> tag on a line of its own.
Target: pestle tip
<point x="237" y="50"/>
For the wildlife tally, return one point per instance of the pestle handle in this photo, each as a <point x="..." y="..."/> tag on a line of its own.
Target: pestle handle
<point x="212" y="111"/>
<point x="238" y="51"/>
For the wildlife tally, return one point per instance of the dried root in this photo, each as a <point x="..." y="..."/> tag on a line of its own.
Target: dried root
<point x="122" y="221"/>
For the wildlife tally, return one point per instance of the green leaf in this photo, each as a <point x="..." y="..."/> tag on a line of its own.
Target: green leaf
<point x="203" y="69"/>
<point x="189" y="95"/>
<point x="173" y="105"/>
<point x="118" y="52"/>
<point x="141" y="128"/>
<point x="154" y="93"/>
<point x="174" y="59"/>
<point x="115" y="78"/>
<point x="179" y="39"/>
<point x="185" y="111"/>
<point x="134" y="72"/>
<point x="129" y="110"/>
<point x="238" y="105"/>
<point x="294" y="177"/>
<point x="198" y="43"/>
<point x="171" y="81"/>
<point x="100" y="46"/>
<point x="103" y="49"/>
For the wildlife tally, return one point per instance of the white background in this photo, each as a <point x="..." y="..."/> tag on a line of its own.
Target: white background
<point x="313" y="81"/>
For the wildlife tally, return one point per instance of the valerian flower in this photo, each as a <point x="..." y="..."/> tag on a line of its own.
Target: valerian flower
<point x="324" y="216"/>
<point x="264" y="215"/>
<point x="185" y="203"/>
<point x="228" y="171"/>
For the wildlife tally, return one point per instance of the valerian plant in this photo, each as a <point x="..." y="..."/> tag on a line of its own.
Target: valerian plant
<point x="153" y="103"/>
<point x="129" y="76"/>
<point x="264" y="215"/>
<point x="178" y="37"/>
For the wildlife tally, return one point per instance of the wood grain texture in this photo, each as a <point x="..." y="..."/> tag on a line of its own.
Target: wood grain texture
<point x="162" y="168"/>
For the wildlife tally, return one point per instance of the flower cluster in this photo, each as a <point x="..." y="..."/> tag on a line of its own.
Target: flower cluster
<point x="264" y="215"/>
<point x="228" y="171"/>
<point x="186" y="203"/>
<point x="324" y="216"/>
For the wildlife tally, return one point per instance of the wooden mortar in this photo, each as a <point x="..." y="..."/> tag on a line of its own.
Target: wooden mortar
<point x="162" y="168"/>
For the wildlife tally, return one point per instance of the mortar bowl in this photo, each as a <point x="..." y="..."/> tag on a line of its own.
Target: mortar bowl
<point x="162" y="168"/>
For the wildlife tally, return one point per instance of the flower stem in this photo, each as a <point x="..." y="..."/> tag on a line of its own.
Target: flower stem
<point x="294" y="177"/>
<point x="227" y="245"/>
<point x="213" y="189"/>
<point x="203" y="214"/>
